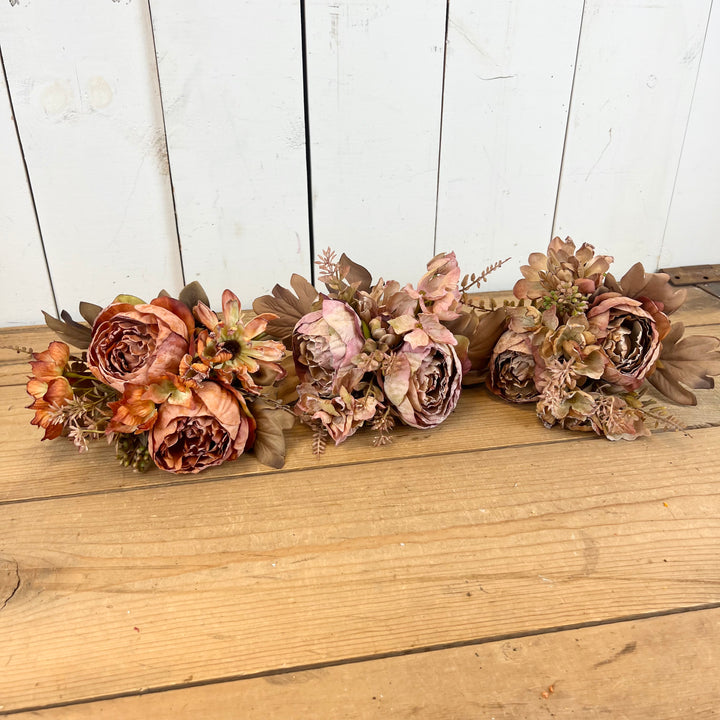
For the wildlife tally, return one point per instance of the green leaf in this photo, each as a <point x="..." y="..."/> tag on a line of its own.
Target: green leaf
<point x="129" y="299"/>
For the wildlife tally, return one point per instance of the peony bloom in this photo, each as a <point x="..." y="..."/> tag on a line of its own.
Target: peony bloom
<point x="212" y="427"/>
<point x="629" y="336"/>
<point x="341" y="415"/>
<point x="324" y="344"/>
<point x="512" y="368"/>
<point x="139" y="344"/>
<point x="423" y="383"/>
<point x="49" y="388"/>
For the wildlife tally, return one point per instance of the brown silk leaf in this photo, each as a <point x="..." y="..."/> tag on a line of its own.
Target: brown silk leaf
<point x="656" y="286"/>
<point x="482" y="332"/>
<point x="306" y="293"/>
<point x="89" y="311"/>
<point x="288" y="307"/>
<point x="691" y="360"/>
<point x="192" y="294"/>
<point x="271" y="422"/>
<point x="68" y="330"/>
<point x="355" y="274"/>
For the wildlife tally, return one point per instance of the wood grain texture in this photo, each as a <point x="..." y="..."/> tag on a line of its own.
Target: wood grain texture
<point x="374" y="93"/>
<point x="617" y="671"/>
<point x="143" y="589"/>
<point x="504" y="114"/>
<point x="691" y="234"/>
<point x="84" y="88"/>
<point x="25" y="281"/>
<point x="627" y="122"/>
<point x="231" y="80"/>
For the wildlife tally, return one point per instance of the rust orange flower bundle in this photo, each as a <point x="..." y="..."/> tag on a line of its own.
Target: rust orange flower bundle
<point x="175" y="385"/>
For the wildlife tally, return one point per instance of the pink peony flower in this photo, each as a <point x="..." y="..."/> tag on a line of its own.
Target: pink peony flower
<point x="423" y="383"/>
<point x="324" y="344"/>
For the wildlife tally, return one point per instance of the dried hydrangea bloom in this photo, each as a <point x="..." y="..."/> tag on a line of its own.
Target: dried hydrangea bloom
<point x="340" y="415"/>
<point x="512" y="368"/>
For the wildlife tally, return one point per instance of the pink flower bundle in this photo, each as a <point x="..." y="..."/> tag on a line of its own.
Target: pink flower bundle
<point x="177" y="386"/>
<point x="587" y="344"/>
<point x="371" y="354"/>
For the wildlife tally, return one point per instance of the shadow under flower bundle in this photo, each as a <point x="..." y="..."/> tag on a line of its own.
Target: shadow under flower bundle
<point x="169" y="382"/>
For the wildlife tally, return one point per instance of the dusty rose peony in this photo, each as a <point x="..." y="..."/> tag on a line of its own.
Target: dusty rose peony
<point x="629" y="337"/>
<point x="139" y="344"/>
<point x="212" y="427"/>
<point x="424" y="383"/>
<point x="325" y="342"/>
<point x="512" y="368"/>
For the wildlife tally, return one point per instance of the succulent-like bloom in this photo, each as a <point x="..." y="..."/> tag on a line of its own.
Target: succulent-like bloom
<point x="629" y="336"/>
<point x="340" y="415"/>
<point x="325" y="343"/>
<point x="512" y="368"/>
<point x="213" y="426"/>
<point x="423" y="383"/>
<point x="228" y="348"/>
<point x="139" y="344"/>
<point x="49" y="388"/>
<point x="565" y="277"/>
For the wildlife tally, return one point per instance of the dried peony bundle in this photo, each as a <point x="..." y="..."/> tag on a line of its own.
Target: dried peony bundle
<point x="375" y="353"/>
<point x="587" y="343"/>
<point x="168" y="381"/>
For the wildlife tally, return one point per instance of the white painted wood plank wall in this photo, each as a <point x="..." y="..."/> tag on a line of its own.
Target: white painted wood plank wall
<point x="232" y="87"/>
<point x="598" y="118"/>
<point x="84" y="89"/>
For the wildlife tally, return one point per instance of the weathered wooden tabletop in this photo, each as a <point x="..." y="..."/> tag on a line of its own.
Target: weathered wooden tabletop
<point x="488" y="569"/>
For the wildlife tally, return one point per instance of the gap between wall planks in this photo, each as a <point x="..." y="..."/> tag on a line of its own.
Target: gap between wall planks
<point x="504" y="116"/>
<point x="25" y="279"/>
<point x="246" y="576"/>
<point x="232" y="88"/>
<point x="691" y="234"/>
<point x="627" y="121"/>
<point x="87" y="106"/>
<point x="374" y="94"/>
<point x="614" y="670"/>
